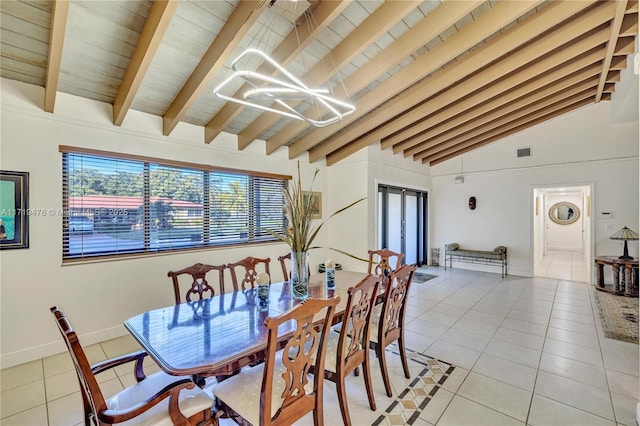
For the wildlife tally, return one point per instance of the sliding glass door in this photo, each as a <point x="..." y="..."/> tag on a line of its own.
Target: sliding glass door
<point x="402" y="222"/>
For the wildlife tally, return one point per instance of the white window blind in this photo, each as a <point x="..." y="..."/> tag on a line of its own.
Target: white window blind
<point x="119" y="206"/>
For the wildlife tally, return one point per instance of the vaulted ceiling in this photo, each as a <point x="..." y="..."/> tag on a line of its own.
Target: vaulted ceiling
<point x="429" y="79"/>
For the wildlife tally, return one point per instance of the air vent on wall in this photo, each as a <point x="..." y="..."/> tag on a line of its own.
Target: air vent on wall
<point x="524" y="152"/>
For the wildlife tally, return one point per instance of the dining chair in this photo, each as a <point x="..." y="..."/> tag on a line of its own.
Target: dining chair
<point x="389" y="326"/>
<point x="157" y="399"/>
<point x="249" y="266"/>
<point x="286" y="274"/>
<point x="200" y="287"/>
<point x="278" y="391"/>
<point x="349" y="349"/>
<point x="383" y="261"/>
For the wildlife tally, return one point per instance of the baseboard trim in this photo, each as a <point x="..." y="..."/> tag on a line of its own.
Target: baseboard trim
<point x="49" y="349"/>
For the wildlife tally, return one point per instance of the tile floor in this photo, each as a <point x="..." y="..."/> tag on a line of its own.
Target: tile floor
<point x="564" y="265"/>
<point x="526" y="350"/>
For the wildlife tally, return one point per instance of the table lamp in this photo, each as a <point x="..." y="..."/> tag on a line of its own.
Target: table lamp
<point x="625" y="234"/>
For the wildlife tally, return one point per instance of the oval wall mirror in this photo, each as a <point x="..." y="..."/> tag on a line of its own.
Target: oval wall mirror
<point x="564" y="213"/>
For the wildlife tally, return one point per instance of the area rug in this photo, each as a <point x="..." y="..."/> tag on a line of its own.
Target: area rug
<point x="420" y="277"/>
<point x="413" y="400"/>
<point x="619" y="316"/>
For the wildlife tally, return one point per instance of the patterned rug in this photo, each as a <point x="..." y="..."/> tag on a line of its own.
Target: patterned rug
<point x="619" y="316"/>
<point x="409" y="404"/>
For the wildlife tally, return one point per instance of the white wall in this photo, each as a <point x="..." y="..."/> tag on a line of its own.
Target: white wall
<point x="591" y="145"/>
<point x="98" y="296"/>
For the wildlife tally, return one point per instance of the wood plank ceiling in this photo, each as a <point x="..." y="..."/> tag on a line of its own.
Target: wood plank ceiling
<point x="429" y="79"/>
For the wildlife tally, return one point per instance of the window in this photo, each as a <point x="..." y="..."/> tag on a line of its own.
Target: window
<point x="116" y="206"/>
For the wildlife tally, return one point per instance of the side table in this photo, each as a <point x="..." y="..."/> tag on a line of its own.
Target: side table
<point x="625" y="275"/>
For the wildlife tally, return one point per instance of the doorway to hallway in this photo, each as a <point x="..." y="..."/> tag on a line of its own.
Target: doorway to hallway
<point x="562" y="233"/>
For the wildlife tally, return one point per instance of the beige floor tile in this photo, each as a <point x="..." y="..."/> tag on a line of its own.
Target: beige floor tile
<point x="21" y="398"/>
<point x="624" y="384"/>
<point x="584" y="397"/>
<point x="458" y="355"/>
<point x="61" y="385"/>
<point x="625" y="409"/>
<point x="547" y="412"/>
<point x="620" y="356"/>
<point x="524" y="326"/>
<point x="512" y="352"/>
<point x="475" y="327"/>
<point x="436" y="406"/>
<point x="57" y="364"/>
<point x="477" y="342"/>
<point x="587" y="340"/>
<point x="455" y="379"/>
<point x="463" y="412"/>
<point x="506" y="371"/>
<point x="575" y="326"/>
<point x="66" y="411"/>
<point x="582" y="372"/>
<point x="120" y="346"/>
<point x="575" y="352"/>
<point x="528" y="340"/>
<point x="32" y="417"/>
<point x="500" y="396"/>
<point x="21" y="374"/>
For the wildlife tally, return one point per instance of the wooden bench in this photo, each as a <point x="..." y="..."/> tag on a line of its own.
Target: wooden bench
<point x="498" y="256"/>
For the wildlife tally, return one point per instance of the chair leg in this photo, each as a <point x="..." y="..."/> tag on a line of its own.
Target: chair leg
<point x="368" y="384"/>
<point x="403" y="356"/>
<point x="380" y="352"/>
<point x="342" y="399"/>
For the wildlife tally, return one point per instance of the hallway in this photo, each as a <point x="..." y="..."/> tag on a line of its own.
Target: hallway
<point x="563" y="264"/>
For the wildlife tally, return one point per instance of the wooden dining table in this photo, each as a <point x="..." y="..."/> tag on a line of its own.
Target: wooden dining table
<point x="220" y="335"/>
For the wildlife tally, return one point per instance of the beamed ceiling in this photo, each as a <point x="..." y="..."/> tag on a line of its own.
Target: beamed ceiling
<point x="429" y="79"/>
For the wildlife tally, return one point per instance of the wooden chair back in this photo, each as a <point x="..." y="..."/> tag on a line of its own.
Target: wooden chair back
<point x="392" y="319"/>
<point x="92" y="396"/>
<point x="298" y="355"/>
<point x="353" y="343"/>
<point x="384" y="261"/>
<point x="200" y="287"/>
<point x="249" y="267"/>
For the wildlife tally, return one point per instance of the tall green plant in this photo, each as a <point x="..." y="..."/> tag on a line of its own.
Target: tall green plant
<point x="300" y="232"/>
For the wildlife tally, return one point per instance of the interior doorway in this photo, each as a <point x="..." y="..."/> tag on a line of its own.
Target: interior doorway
<point x="562" y="233"/>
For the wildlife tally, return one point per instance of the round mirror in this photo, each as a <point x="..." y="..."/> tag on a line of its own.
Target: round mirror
<point x="564" y="213"/>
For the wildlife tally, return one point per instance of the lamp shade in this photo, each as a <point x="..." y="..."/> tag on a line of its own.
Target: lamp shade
<point x="625" y="234"/>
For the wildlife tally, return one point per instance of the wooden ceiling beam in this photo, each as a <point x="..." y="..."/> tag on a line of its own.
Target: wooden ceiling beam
<point x="297" y="39"/>
<point x="438" y="21"/>
<point x="152" y="34"/>
<point x="236" y="27"/>
<point x="574" y="70"/>
<point x="482" y="142"/>
<point x="573" y="57"/>
<point x="510" y="124"/>
<point x="517" y="36"/>
<point x="501" y="93"/>
<point x="59" y="14"/>
<point x="469" y="36"/>
<point x="476" y="118"/>
<point x="372" y="28"/>
<point x="521" y="109"/>
<point x="616" y="24"/>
